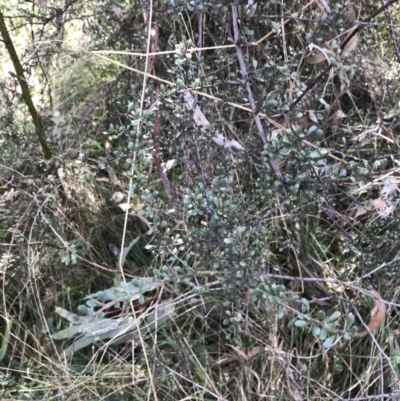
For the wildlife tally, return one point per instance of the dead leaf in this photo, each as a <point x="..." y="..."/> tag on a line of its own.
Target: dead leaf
<point x="113" y="176"/>
<point x="378" y="314"/>
<point x="317" y="58"/>
<point x="198" y="116"/>
<point x="323" y="6"/>
<point x="350" y="14"/>
<point x="219" y="139"/>
<point x="169" y="164"/>
<point x="338" y="115"/>
<point x="125" y="206"/>
<point x="394" y="334"/>
<point x="240" y="353"/>
<point x="383" y="207"/>
<point x="390" y="185"/>
<point x="9" y="196"/>
<point x="274" y="134"/>
<point x="201" y="120"/>
<point x="312" y="116"/>
<point x="360" y="212"/>
<point x="351" y="45"/>
<point x="255" y="351"/>
<point x="251" y="8"/>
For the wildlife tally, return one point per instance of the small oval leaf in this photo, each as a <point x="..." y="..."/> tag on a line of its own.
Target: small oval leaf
<point x="350" y="320"/>
<point x="301" y="323"/>
<point x="333" y="317"/>
<point x="329" y="341"/>
<point x="316" y="331"/>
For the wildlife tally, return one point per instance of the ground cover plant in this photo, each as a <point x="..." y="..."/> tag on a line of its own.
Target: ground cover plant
<point x="199" y="200"/>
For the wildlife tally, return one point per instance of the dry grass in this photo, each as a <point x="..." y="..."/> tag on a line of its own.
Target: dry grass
<point x="326" y="244"/>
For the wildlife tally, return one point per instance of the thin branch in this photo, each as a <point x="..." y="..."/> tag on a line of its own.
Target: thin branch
<point x="250" y="96"/>
<point x="390" y="27"/>
<point x="157" y="123"/>
<point x="26" y="95"/>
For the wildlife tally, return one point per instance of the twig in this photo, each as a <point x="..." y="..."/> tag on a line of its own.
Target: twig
<point x="389" y="18"/>
<point x="154" y="152"/>
<point x="320" y="285"/>
<point x="157" y="122"/>
<point x="382" y="266"/>
<point x="245" y="76"/>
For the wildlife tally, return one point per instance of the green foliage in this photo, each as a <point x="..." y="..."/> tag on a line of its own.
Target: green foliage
<point x="75" y="247"/>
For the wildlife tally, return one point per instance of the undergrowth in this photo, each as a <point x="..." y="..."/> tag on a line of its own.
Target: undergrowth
<point x="222" y="232"/>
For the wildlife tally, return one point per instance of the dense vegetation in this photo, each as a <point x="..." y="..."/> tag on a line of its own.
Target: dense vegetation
<point x="199" y="200"/>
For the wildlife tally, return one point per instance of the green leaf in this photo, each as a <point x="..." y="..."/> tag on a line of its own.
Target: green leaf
<point x="391" y="114"/>
<point x="333" y="317"/>
<point x="311" y="129"/>
<point x="77" y="345"/>
<point x="326" y="105"/>
<point x="92" y="304"/>
<point x="305" y="307"/>
<point x="316" y="154"/>
<point x="127" y="249"/>
<point x="125" y="327"/>
<point x="301" y="323"/>
<point x="316" y="330"/>
<point x="347" y="336"/>
<point x="281" y="312"/>
<point x="329" y="341"/>
<point x="82" y="309"/>
<point x="322" y="334"/>
<point x="350" y="320"/>
<point x="329" y="328"/>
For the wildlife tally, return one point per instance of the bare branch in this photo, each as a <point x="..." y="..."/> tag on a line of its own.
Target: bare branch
<point x="250" y="96"/>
